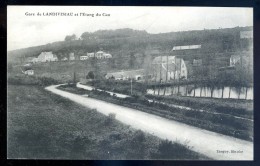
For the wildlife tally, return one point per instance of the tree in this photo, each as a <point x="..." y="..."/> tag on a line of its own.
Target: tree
<point x="119" y="59"/>
<point x="85" y="36"/>
<point x="147" y="67"/>
<point x="132" y="60"/>
<point x="90" y="75"/>
<point x="112" y="62"/>
<point x="70" y="37"/>
<point x="9" y="67"/>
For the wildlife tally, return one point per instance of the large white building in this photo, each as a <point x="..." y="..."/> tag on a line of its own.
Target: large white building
<point x="102" y="55"/>
<point x="47" y="57"/>
<point x="176" y="68"/>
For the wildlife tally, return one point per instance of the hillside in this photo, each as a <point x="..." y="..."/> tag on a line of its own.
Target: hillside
<point x="126" y="42"/>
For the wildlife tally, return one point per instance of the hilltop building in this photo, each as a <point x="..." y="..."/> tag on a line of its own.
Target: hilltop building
<point x="84" y="57"/>
<point x="91" y="55"/>
<point x="102" y="55"/>
<point x="32" y="60"/>
<point x="64" y="59"/>
<point x="27" y="70"/>
<point x="47" y="57"/>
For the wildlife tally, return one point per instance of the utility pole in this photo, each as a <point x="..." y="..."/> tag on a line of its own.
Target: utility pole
<point x="179" y="77"/>
<point x="131" y="87"/>
<point x="74" y="77"/>
<point x="95" y="63"/>
<point x="161" y="70"/>
<point x="166" y="73"/>
<point x="167" y="68"/>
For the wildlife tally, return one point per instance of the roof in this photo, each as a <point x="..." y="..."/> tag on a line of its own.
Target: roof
<point x="50" y="52"/>
<point x="163" y="59"/>
<point x="25" y="68"/>
<point x="99" y="52"/>
<point x="85" y="56"/>
<point x="187" y="47"/>
<point x="28" y="70"/>
<point x="129" y="73"/>
<point x="27" y="64"/>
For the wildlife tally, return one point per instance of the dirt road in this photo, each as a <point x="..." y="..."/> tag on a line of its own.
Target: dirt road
<point x="213" y="145"/>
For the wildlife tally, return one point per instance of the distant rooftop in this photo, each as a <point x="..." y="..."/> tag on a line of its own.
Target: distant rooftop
<point x="163" y="59"/>
<point x="187" y="47"/>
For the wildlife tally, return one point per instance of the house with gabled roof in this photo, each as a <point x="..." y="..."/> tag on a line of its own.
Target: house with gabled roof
<point x="102" y="55"/>
<point x="47" y="57"/>
<point x="172" y="69"/>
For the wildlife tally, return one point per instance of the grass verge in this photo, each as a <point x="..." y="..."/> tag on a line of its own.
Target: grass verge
<point x="42" y="125"/>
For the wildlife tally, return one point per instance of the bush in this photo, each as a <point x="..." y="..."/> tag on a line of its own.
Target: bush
<point x="111" y="118"/>
<point x="139" y="136"/>
<point x="45" y="81"/>
<point x="169" y="150"/>
<point x="31" y="80"/>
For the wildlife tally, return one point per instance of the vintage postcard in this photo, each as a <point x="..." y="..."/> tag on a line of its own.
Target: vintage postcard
<point x="127" y="83"/>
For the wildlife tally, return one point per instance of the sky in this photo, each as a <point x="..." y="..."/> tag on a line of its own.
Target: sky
<point x="26" y="30"/>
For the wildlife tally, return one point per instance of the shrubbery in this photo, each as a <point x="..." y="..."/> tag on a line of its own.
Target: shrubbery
<point x="110" y="118"/>
<point x="30" y="80"/>
<point x="169" y="150"/>
<point x="119" y="86"/>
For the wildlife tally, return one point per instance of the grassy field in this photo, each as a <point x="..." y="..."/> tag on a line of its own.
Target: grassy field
<point x="64" y="70"/>
<point x="42" y="125"/>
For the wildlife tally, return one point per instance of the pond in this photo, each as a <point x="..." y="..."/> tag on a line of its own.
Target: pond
<point x="199" y="91"/>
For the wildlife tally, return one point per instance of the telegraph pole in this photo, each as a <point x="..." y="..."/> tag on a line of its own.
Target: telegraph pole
<point x="160" y="76"/>
<point x="161" y="70"/>
<point x="131" y="87"/>
<point x="166" y="73"/>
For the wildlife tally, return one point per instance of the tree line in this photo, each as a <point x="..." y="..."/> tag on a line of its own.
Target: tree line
<point x="128" y="40"/>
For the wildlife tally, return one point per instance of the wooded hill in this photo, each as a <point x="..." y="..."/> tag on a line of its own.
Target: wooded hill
<point x="126" y="42"/>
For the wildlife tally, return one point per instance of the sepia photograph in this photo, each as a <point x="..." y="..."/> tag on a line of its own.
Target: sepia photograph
<point x="130" y="83"/>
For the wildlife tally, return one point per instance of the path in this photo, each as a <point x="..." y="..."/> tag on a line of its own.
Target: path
<point x="211" y="144"/>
